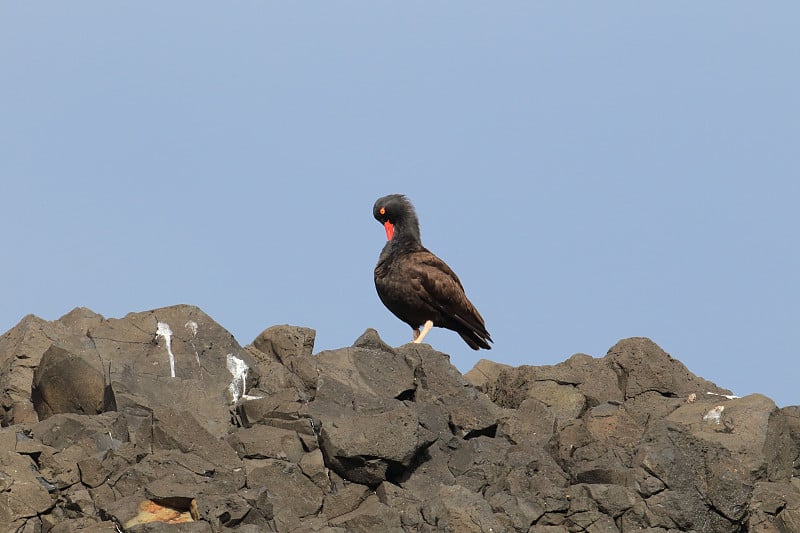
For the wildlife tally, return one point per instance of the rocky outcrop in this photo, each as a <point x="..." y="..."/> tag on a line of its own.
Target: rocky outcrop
<point x="162" y="418"/>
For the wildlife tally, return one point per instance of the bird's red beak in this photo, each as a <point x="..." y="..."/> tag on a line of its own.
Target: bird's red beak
<point x="389" y="230"/>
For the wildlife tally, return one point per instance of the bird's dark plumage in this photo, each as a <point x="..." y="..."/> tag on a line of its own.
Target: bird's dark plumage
<point x="416" y="285"/>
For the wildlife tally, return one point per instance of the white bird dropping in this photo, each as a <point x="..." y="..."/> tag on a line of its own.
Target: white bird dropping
<point x="238" y="369"/>
<point x="715" y="414"/>
<point x="164" y="331"/>
<point x="238" y="387"/>
<point x="192" y="326"/>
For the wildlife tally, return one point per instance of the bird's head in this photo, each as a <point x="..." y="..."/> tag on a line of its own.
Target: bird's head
<point x="396" y="213"/>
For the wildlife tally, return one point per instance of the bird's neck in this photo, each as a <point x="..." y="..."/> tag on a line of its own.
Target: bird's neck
<point x="406" y="236"/>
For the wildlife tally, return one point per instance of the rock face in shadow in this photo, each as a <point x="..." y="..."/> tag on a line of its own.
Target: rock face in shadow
<point x="161" y="417"/>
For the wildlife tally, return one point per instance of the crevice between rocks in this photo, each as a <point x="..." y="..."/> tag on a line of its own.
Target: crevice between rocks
<point x="489" y="431"/>
<point x="409" y="395"/>
<point x="397" y="474"/>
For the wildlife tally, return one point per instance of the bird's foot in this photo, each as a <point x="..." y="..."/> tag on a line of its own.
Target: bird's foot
<point x="418" y="336"/>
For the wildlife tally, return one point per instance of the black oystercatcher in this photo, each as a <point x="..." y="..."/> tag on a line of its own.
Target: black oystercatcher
<point x="415" y="285"/>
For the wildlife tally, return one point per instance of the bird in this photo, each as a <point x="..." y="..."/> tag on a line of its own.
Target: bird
<point x="415" y="285"/>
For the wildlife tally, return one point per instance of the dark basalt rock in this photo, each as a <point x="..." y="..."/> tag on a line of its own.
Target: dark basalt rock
<point x="162" y="421"/>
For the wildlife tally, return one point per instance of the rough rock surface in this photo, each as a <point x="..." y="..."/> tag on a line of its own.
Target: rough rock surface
<point x="161" y="417"/>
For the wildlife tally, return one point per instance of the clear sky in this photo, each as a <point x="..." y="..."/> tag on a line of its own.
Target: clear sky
<point x="592" y="171"/>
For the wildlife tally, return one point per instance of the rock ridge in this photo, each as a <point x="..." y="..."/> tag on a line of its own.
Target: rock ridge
<point x="161" y="421"/>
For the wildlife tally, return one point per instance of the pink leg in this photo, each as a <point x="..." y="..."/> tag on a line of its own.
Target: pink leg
<point x="425" y="329"/>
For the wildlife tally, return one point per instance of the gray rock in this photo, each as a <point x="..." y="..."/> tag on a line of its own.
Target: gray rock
<point x="370" y="340"/>
<point x="371" y="515"/>
<point x="66" y="383"/>
<point x="641" y="366"/>
<point x="531" y="422"/>
<point x="178" y="430"/>
<point x="479" y="463"/>
<point x="363" y="372"/>
<point x="751" y="429"/>
<point x="84" y="525"/>
<point x="484" y="374"/>
<point x="516" y="513"/>
<point x="344" y="499"/>
<point x="229" y="511"/>
<point x="402" y="501"/>
<point x="683" y="510"/>
<point x="368" y="434"/>
<point x="284" y="342"/>
<point x="267" y="442"/>
<point x="424" y="479"/>
<point x="21" y="351"/>
<point x="580" y="379"/>
<point x="122" y="363"/>
<point x="140" y="366"/>
<point x="271" y="437"/>
<point x="291" y="348"/>
<point x="293" y="495"/>
<point x="25" y="494"/>
<point x="679" y="460"/>
<point x="313" y="466"/>
<point x="773" y="507"/>
<point x="456" y="509"/>
<point x="612" y="500"/>
<point x="471" y="413"/>
<point x="372" y="448"/>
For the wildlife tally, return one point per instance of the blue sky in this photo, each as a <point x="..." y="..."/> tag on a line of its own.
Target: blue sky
<point x="592" y="171"/>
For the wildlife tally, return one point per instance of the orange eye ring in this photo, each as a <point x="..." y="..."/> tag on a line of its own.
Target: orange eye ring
<point x="382" y="211"/>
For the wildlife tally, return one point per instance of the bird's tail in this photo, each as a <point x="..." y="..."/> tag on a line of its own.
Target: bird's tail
<point x="476" y="339"/>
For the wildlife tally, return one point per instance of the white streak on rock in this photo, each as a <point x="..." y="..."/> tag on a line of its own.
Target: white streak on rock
<point x="192" y="326"/>
<point x="728" y="396"/>
<point x="238" y="369"/>
<point x="238" y="387"/>
<point x="164" y="331"/>
<point x="714" y="415"/>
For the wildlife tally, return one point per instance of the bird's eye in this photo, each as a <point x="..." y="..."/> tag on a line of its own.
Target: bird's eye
<point x="382" y="211"/>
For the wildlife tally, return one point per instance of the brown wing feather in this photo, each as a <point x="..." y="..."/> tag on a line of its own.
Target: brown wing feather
<point x="444" y="291"/>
